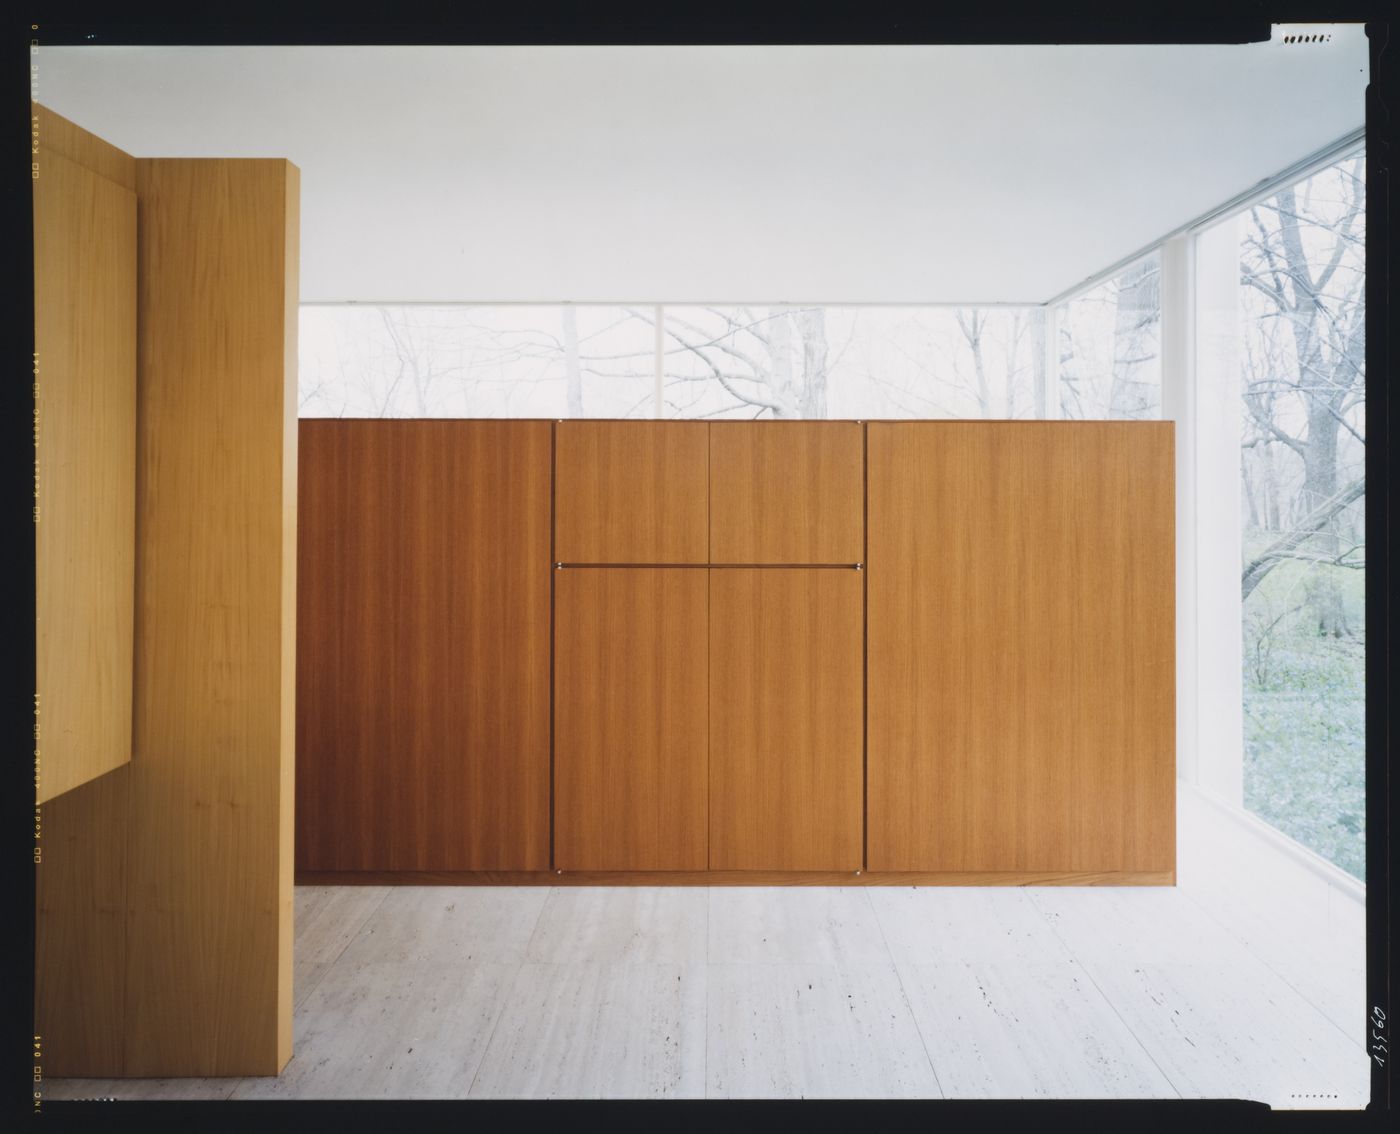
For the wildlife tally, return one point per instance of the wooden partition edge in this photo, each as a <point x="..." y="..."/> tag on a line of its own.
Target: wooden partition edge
<point x="731" y="878"/>
<point x="51" y="131"/>
<point x="286" y="819"/>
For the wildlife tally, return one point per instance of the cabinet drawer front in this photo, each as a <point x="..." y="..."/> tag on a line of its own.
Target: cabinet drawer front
<point x="787" y="492"/>
<point x="631" y="492"/>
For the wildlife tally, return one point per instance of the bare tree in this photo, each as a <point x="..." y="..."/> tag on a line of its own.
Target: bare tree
<point x="774" y="364"/>
<point x="1303" y="253"/>
<point x="972" y="323"/>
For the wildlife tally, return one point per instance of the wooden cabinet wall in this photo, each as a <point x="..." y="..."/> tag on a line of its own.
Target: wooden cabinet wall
<point x="735" y="691"/>
<point x="708" y="715"/>
<point x="1021" y="631"/>
<point x="423" y="674"/>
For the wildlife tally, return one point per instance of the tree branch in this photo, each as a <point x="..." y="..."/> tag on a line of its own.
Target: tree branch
<point x="1288" y="547"/>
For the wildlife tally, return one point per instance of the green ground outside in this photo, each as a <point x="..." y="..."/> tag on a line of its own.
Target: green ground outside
<point x="1305" y="715"/>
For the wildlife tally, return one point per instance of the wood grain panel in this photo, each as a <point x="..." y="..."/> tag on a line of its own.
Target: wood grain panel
<point x="85" y="339"/>
<point x="631" y="492"/>
<point x="209" y="907"/>
<point x="786" y="668"/>
<point x="85" y="335"/>
<point x="1021" y="638"/>
<point x="787" y="492"/>
<point x="630" y="704"/>
<point x="80" y="929"/>
<point x="423" y="676"/>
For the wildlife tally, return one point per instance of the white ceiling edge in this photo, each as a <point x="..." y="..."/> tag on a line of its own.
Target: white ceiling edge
<point x="865" y="174"/>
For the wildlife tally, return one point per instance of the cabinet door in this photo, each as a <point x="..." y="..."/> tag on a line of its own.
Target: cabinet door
<point x="631" y="492"/>
<point x="1021" y="647"/>
<point x="423" y="646"/>
<point x="787" y="492"/>
<point x="786" y="667"/>
<point x="630" y="718"/>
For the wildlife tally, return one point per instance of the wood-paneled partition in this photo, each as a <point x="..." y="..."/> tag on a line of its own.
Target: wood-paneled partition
<point x="209" y="866"/>
<point x="85" y="447"/>
<point x="165" y="887"/>
<point x="84" y="197"/>
<point x="727" y="706"/>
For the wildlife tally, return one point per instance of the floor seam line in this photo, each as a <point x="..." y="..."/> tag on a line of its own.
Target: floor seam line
<point x="1106" y="998"/>
<point x="539" y="919"/>
<point x="324" y="966"/>
<point x="899" y="979"/>
<point x="384" y="897"/>
<point x="709" y="914"/>
<point x="514" y="981"/>
<point x="495" y="1025"/>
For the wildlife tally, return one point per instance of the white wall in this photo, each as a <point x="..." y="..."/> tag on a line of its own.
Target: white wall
<point x="835" y="174"/>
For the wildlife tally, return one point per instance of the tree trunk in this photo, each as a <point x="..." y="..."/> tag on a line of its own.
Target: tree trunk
<point x="1134" y="392"/>
<point x="1013" y="359"/>
<point x="971" y="326"/>
<point x="1251" y="493"/>
<point x="1067" y="380"/>
<point x="812" y="321"/>
<point x="780" y="352"/>
<point x="1322" y="588"/>
<point x="1320" y="443"/>
<point x="573" y="373"/>
<point x="1273" y="519"/>
<point x="1038" y="376"/>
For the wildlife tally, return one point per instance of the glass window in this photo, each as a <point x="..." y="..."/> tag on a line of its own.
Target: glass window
<point x="853" y="362"/>
<point x="1109" y="338"/>
<point x="402" y="360"/>
<point x="458" y="360"/>
<point x="1303" y="583"/>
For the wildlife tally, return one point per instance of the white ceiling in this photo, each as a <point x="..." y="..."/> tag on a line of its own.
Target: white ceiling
<point x="892" y="174"/>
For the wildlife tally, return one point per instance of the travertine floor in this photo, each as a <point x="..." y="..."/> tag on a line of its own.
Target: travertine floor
<point x="1244" y="981"/>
